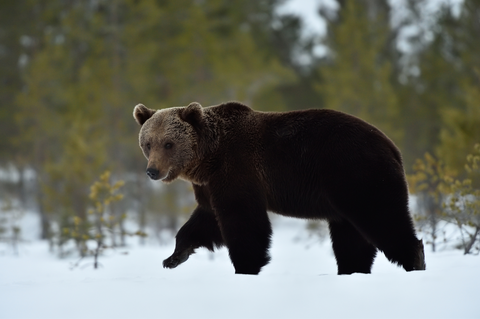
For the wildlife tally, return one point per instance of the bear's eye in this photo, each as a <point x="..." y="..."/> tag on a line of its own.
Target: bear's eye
<point x="168" y="146"/>
<point x="148" y="146"/>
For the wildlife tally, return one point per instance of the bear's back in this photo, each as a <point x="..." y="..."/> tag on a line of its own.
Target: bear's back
<point x="308" y="154"/>
<point x="304" y="159"/>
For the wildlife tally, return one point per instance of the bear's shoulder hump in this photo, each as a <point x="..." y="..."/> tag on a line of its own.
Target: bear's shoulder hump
<point x="231" y="108"/>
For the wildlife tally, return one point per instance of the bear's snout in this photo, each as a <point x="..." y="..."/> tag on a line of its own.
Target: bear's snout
<point x="153" y="173"/>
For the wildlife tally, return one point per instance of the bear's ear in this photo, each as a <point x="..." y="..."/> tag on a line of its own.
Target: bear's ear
<point x="193" y="115"/>
<point x="141" y="113"/>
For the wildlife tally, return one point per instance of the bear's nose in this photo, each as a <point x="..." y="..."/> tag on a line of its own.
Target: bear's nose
<point x="152" y="173"/>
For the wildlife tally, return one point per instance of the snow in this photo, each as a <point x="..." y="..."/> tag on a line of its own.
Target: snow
<point x="300" y="282"/>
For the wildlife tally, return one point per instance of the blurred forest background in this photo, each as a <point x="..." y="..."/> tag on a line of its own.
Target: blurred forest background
<point x="71" y="72"/>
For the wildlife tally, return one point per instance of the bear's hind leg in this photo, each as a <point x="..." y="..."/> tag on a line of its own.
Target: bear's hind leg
<point x="406" y="251"/>
<point x="201" y="230"/>
<point x="352" y="251"/>
<point x="393" y="234"/>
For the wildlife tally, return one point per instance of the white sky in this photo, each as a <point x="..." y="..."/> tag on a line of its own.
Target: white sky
<point x="314" y="24"/>
<point x="308" y="10"/>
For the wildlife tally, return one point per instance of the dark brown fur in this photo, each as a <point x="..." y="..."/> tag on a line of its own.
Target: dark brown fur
<point x="315" y="164"/>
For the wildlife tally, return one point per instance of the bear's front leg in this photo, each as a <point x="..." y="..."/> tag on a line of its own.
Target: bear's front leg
<point x="178" y="257"/>
<point x="201" y="230"/>
<point x="247" y="232"/>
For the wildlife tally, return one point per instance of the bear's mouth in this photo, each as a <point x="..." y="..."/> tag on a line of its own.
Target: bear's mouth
<point x="166" y="178"/>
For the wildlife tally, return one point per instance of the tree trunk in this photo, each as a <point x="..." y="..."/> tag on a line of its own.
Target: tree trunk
<point x="472" y="241"/>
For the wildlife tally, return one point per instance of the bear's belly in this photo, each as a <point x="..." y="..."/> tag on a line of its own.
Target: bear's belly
<point x="300" y="204"/>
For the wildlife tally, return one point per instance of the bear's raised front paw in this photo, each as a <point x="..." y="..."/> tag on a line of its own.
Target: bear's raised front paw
<point x="175" y="260"/>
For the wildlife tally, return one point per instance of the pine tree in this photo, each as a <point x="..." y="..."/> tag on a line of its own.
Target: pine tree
<point x="193" y="52"/>
<point x="447" y="89"/>
<point x="462" y="119"/>
<point x="358" y="79"/>
<point x="429" y="183"/>
<point x="103" y="223"/>
<point x="15" y="24"/>
<point x="94" y="60"/>
<point x="463" y="205"/>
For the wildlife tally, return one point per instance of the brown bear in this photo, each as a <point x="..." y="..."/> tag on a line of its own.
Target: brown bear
<point x="312" y="164"/>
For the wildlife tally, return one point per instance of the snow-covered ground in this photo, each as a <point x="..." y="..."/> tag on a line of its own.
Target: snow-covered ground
<point x="300" y="282"/>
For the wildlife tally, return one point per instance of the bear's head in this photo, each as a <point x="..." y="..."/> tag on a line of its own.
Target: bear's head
<point x="169" y="140"/>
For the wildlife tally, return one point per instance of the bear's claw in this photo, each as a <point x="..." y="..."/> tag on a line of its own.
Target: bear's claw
<point x="175" y="260"/>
